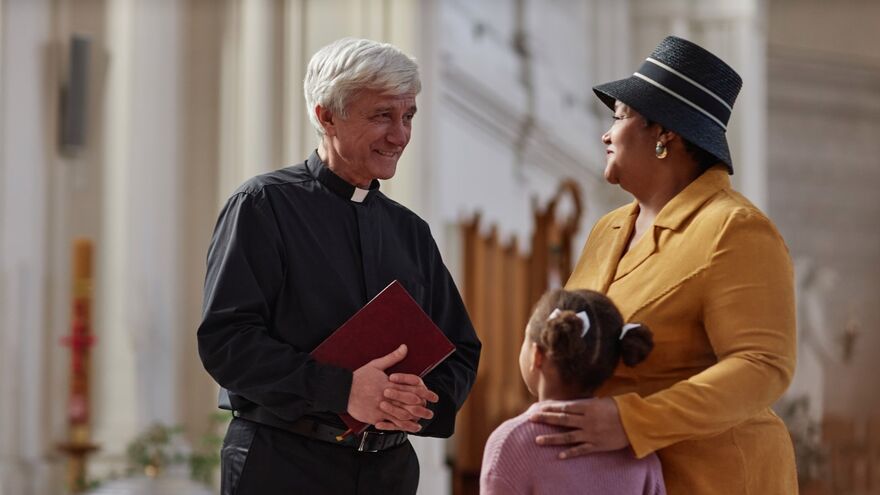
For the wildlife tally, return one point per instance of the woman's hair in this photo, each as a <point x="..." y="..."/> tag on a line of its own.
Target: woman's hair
<point x="587" y="360"/>
<point x="346" y="66"/>
<point x="704" y="159"/>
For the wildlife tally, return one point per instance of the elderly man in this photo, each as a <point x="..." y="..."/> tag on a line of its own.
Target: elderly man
<point x="294" y="254"/>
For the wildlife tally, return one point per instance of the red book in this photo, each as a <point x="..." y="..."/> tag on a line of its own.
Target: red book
<point x="390" y="319"/>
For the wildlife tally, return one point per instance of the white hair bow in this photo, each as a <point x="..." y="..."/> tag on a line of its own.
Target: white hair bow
<point x="582" y="315"/>
<point x="627" y="328"/>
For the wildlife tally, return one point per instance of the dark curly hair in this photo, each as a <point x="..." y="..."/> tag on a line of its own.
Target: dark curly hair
<point x="590" y="360"/>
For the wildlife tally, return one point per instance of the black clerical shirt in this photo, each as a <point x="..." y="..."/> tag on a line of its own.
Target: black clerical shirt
<point x="295" y="253"/>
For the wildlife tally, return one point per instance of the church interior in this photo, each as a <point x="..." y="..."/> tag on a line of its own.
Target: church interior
<point x="125" y="125"/>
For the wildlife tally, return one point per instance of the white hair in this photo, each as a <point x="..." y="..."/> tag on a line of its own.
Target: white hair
<point x="348" y="65"/>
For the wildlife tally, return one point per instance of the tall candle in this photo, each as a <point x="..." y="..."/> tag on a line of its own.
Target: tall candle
<point x="80" y="340"/>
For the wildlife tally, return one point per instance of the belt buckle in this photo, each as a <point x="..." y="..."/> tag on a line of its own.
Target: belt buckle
<point x="362" y="446"/>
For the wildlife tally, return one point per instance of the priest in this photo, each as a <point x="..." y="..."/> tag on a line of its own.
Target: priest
<point x="294" y="254"/>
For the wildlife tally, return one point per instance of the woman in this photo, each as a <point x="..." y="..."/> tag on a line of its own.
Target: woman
<point x="703" y="268"/>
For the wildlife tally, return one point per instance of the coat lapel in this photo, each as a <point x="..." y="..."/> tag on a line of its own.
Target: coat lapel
<point x="663" y="250"/>
<point x="620" y="232"/>
<point x="602" y="265"/>
<point x="645" y="247"/>
<point x="686" y="203"/>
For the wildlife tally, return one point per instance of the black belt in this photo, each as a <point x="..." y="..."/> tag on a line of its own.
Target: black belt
<point x="368" y="441"/>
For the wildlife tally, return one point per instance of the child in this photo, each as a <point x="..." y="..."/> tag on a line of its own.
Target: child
<point x="572" y="344"/>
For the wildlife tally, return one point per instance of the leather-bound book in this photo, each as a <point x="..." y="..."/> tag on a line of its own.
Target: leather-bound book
<point x="390" y="319"/>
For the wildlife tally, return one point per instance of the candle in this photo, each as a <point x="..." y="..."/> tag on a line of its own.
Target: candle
<point x="80" y="340"/>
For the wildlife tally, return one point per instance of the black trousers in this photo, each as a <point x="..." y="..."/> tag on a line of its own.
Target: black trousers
<point x="261" y="460"/>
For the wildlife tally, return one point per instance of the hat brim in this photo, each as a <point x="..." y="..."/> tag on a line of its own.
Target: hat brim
<point x="658" y="106"/>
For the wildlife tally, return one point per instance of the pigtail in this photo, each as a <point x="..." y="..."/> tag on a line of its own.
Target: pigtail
<point x="635" y="344"/>
<point x="561" y="336"/>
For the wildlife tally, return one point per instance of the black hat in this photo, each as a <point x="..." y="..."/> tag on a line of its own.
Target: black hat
<point x="684" y="88"/>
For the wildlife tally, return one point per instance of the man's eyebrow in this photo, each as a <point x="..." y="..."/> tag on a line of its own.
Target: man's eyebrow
<point x="389" y="108"/>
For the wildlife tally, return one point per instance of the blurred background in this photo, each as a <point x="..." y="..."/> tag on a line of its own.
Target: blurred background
<point x="125" y="124"/>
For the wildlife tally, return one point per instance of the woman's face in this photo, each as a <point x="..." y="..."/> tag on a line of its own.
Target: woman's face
<point x="629" y="148"/>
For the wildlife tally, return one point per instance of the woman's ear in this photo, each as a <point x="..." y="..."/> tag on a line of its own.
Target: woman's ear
<point x="666" y="136"/>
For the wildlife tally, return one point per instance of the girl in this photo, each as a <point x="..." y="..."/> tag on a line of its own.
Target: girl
<point x="572" y="344"/>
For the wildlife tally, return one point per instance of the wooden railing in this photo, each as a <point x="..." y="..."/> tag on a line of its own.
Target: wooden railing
<point x="852" y="464"/>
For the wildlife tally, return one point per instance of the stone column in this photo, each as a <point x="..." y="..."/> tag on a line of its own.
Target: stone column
<point x="203" y="35"/>
<point x="251" y="91"/>
<point x="25" y="155"/>
<point x="298" y="136"/>
<point x="136" y="363"/>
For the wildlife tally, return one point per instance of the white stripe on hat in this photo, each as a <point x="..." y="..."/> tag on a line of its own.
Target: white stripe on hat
<point x="682" y="98"/>
<point x="686" y="78"/>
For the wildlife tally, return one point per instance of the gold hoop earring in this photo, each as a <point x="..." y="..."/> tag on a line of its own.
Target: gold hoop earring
<point x="660" y="150"/>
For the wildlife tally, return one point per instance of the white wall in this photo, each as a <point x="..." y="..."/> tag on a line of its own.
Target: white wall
<point x="824" y="155"/>
<point x="511" y="123"/>
<point x="24" y="162"/>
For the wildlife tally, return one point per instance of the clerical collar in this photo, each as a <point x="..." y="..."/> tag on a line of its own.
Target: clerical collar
<point x="336" y="183"/>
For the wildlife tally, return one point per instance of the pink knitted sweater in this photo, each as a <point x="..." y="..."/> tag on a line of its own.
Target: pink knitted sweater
<point x="514" y="464"/>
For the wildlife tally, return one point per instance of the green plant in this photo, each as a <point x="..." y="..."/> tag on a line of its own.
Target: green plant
<point x="160" y="448"/>
<point x="206" y="459"/>
<point x="154" y="450"/>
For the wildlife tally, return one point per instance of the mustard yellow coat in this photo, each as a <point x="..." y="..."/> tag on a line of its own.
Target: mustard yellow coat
<point x="714" y="282"/>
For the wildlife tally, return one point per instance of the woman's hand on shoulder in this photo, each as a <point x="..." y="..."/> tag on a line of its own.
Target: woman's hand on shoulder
<point x="595" y="424"/>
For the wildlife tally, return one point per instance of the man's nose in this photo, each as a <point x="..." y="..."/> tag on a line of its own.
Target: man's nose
<point x="398" y="134"/>
<point x="606" y="138"/>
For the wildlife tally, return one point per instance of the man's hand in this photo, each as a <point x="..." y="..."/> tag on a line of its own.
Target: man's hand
<point x="595" y="422"/>
<point x="368" y="385"/>
<point x="406" y="398"/>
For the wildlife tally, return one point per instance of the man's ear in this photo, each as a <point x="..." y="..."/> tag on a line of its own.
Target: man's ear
<point x="327" y="120"/>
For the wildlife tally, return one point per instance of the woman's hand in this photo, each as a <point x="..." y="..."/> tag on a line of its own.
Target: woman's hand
<point x="595" y="422"/>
